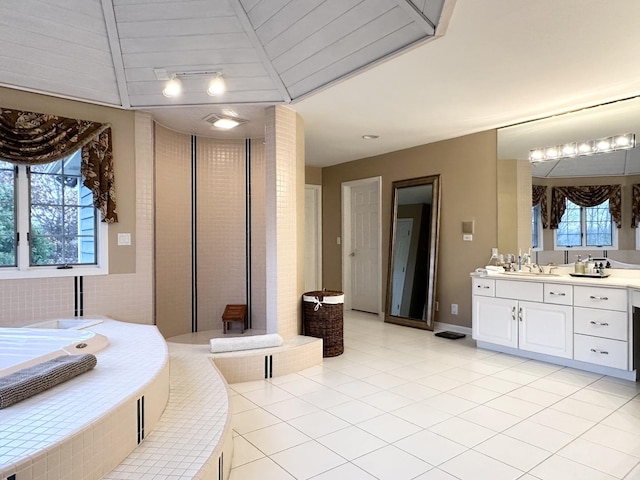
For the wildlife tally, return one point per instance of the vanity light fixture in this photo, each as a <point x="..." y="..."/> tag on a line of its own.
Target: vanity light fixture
<point x="588" y="147"/>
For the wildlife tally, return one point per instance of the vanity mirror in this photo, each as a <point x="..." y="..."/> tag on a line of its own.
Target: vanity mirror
<point x="516" y="174"/>
<point x="415" y="219"/>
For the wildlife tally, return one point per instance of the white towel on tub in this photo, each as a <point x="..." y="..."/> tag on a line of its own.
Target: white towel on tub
<point x="232" y="344"/>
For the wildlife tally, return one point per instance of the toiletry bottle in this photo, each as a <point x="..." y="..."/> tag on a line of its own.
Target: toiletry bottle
<point x="589" y="266"/>
<point x="579" y="265"/>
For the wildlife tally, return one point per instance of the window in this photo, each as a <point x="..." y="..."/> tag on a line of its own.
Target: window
<point x="536" y="228"/>
<point x="586" y="227"/>
<point x="48" y="223"/>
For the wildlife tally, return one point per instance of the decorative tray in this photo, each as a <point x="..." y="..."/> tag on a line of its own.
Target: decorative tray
<point x="590" y="275"/>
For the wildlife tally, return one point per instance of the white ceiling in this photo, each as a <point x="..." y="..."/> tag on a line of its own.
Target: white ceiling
<point x="349" y="67"/>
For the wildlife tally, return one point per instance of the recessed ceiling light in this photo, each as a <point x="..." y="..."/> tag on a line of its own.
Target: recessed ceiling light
<point x="370" y="137"/>
<point x="226" y="123"/>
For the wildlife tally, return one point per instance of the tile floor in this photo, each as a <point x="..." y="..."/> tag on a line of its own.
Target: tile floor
<point x="403" y="404"/>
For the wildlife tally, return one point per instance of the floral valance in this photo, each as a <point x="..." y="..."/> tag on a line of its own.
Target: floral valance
<point x="586" y="196"/>
<point x="635" y="205"/>
<point x="28" y="138"/>
<point x="539" y="197"/>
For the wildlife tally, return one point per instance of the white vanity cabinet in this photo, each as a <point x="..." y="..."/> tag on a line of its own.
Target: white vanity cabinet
<point x="581" y="325"/>
<point x="514" y="314"/>
<point x="601" y="326"/>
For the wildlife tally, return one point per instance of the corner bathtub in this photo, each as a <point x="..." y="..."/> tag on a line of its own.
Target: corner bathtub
<point x="25" y="346"/>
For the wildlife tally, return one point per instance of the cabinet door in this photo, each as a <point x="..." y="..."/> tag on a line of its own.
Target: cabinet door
<point x="495" y="320"/>
<point x="546" y="328"/>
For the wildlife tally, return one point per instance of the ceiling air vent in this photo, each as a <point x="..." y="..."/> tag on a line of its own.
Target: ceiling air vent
<point x="224" y="122"/>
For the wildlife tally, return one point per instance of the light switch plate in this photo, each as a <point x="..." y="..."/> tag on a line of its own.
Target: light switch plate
<point x="467" y="237"/>
<point x="124" y="239"/>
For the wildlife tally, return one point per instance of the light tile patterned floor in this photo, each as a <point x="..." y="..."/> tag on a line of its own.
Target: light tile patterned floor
<point x="402" y="404"/>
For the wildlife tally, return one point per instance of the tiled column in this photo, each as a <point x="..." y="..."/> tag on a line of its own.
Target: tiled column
<point x="283" y="157"/>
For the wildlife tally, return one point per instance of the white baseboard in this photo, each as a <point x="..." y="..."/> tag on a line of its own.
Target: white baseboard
<point x="437" y="326"/>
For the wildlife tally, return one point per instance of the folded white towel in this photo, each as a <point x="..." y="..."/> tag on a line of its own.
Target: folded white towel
<point x="232" y="344"/>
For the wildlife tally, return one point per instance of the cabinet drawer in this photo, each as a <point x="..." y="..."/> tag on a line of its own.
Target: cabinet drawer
<point x="600" y="297"/>
<point x="600" y="323"/>
<point x="484" y="287"/>
<point x="516" y="290"/>
<point x="558" y="294"/>
<point x="601" y="351"/>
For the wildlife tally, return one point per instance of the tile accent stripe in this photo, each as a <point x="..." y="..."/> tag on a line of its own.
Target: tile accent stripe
<point x="78" y="291"/>
<point x="268" y="366"/>
<point x="194" y="235"/>
<point x="140" y="419"/>
<point x="247" y="221"/>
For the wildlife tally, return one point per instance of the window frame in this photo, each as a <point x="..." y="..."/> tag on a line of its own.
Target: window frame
<point x="540" y="237"/>
<point x="24" y="269"/>
<point x="583" y="235"/>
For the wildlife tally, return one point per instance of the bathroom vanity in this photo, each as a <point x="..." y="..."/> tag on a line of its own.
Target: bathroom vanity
<point x="584" y="323"/>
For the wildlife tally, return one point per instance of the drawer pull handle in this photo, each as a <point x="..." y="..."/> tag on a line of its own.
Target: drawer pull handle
<point x="560" y="294"/>
<point x="520" y="314"/>
<point x="604" y="324"/>
<point x="483" y="286"/>
<point x="603" y="352"/>
<point x="513" y="313"/>
<point x="598" y="298"/>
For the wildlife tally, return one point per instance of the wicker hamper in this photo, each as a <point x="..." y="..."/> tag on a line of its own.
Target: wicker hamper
<point x="322" y="318"/>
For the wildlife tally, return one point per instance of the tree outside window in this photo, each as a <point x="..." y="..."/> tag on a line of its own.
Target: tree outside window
<point x="586" y="226"/>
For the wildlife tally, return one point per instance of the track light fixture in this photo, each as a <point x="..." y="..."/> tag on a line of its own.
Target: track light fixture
<point x="216" y="86"/>
<point x="173" y="87"/>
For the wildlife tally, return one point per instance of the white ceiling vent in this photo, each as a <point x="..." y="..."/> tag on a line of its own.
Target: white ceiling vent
<point x="224" y="122"/>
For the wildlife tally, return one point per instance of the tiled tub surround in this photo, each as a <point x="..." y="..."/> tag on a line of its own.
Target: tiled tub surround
<point x="86" y="426"/>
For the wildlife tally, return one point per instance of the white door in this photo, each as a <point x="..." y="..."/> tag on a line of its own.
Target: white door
<point x="365" y="246"/>
<point x="312" y="238"/>
<point x="400" y="258"/>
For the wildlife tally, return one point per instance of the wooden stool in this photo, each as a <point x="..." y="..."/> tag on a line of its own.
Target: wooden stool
<point x="234" y="313"/>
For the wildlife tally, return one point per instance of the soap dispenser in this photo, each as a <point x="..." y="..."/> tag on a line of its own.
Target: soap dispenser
<point x="579" y="266"/>
<point x="589" y="266"/>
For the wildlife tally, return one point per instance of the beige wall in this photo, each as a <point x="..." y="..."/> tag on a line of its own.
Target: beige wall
<point x="121" y="258"/>
<point x="467" y="169"/>
<point x="313" y="175"/>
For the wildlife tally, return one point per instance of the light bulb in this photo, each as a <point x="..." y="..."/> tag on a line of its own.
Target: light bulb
<point x="569" y="149"/>
<point x="216" y="86"/>
<point x="604" y="145"/>
<point x="173" y="88"/>
<point x="536" y="155"/>
<point x="584" y="148"/>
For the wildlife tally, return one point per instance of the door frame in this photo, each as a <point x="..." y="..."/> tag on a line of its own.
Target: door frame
<point x="346" y="239"/>
<point x="317" y="203"/>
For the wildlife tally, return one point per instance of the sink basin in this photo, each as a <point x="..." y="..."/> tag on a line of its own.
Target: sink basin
<point x="531" y="274"/>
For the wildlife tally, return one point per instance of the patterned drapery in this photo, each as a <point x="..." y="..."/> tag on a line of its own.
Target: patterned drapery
<point x="539" y="196"/>
<point x="635" y="205"/>
<point x="586" y="196"/>
<point x="28" y="138"/>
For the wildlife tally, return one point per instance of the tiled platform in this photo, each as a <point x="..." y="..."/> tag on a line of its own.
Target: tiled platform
<point x="84" y="427"/>
<point x="402" y="404"/>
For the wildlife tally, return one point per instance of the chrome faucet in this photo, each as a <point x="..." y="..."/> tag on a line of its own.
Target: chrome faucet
<point x="532" y="266"/>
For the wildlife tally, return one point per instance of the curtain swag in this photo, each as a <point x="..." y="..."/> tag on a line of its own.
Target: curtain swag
<point x="539" y="196"/>
<point x="586" y="196"/>
<point x="28" y="138"/>
<point x="635" y="205"/>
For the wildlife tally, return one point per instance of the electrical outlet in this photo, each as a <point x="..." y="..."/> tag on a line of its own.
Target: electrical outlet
<point x="494" y="252"/>
<point x="454" y="309"/>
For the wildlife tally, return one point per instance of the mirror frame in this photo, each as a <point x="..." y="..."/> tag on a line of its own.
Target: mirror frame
<point x="428" y="322"/>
